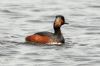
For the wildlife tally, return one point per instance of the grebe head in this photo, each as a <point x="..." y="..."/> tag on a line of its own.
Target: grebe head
<point x="59" y="21"/>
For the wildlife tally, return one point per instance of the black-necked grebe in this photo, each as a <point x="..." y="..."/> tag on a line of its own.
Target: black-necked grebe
<point x="48" y="37"/>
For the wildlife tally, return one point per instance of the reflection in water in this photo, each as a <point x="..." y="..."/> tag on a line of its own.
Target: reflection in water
<point x="21" y="18"/>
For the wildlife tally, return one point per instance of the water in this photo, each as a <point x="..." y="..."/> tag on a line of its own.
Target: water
<point x="19" y="18"/>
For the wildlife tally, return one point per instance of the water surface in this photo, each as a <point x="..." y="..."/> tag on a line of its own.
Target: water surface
<point x="19" y="18"/>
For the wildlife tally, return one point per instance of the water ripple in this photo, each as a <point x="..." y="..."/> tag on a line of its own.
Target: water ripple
<point x="20" y="18"/>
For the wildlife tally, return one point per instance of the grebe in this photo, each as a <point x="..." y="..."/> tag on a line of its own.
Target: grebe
<point x="49" y="38"/>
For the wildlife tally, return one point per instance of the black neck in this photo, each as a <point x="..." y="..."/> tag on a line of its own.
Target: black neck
<point x="57" y="31"/>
